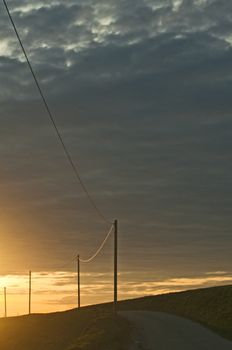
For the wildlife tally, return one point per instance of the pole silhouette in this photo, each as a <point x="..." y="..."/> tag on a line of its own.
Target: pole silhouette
<point x="115" y="266"/>
<point x="29" y="292"/>
<point x="78" y="282"/>
<point x="5" y="301"/>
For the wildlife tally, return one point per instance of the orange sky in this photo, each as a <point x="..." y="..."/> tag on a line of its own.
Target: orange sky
<point x="143" y="102"/>
<point x="56" y="291"/>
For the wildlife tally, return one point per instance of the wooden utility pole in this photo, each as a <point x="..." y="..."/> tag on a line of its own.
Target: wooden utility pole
<point x="5" y="301"/>
<point x="29" y="292"/>
<point x="78" y="282"/>
<point x="115" y="266"/>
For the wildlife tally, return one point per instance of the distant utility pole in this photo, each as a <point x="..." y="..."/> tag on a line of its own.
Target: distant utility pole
<point x="5" y="301"/>
<point x="115" y="266"/>
<point x="29" y="292"/>
<point x="78" y="282"/>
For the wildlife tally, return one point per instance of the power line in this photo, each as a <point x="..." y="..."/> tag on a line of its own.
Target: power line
<point x="66" y="151"/>
<point x="99" y="249"/>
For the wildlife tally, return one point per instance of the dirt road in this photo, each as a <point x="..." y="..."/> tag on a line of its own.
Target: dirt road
<point x="160" y="331"/>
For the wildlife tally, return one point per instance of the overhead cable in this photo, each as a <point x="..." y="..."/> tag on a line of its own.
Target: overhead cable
<point x="52" y="119"/>
<point x="99" y="249"/>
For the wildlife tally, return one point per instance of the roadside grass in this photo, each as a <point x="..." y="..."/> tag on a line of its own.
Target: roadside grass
<point x="104" y="332"/>
<point x="212" y="307"/>
<point x="89" y="328"/>
<point x="95" y="327"/>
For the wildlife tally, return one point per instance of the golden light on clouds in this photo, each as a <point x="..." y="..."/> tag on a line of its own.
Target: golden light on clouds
<point x="57" y="291"/>
<point x="165" y="177"/>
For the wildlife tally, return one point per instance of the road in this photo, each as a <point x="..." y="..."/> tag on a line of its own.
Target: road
<point x="160" y="331"/>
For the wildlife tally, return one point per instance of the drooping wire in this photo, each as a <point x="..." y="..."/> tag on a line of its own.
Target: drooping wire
<point x="68" y="263"/>
<point x="99" y="249"/>
<point x="66" y="151"/>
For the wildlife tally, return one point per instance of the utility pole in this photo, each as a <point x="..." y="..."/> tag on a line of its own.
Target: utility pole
<point x="5" y="301"/>
<point x="29" y="292"/>
<point x="78" y="282"/>
<point x="115" y="266"/>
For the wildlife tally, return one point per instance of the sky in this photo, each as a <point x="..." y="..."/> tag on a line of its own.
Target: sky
<point x="141" y="93"/>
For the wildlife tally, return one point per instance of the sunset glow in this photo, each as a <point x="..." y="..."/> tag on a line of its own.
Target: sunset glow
<point x="57" y="291"/>
<point x="134" y="124"/>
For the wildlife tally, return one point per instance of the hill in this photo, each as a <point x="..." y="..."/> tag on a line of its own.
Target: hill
<point x="94" y="327"/>
<point x="212" y="307"/>
<point x="89" y="328"/>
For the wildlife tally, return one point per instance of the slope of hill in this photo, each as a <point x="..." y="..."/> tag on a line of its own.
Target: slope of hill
<point x="90" y="328"/>
<point x="94" y="327"/>
<point x="212" y="307"/>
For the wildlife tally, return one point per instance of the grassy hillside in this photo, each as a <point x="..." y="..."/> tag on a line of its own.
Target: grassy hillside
<point x="90" y="328"/>
<point x="211" y="307"/>
<point x="94" y="328"/>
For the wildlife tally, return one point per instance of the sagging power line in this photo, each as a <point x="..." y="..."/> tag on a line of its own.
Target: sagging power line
<point x="99" y="249"/>
<point x="52" y="119"/>
<point x="78" y="271"/>
<point x="75" y="171"/>
<point x="79" y="260"/>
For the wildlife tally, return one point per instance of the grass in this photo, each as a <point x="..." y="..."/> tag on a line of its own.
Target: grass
<point x="95" y="328"/>
<point x="89" y="328"/>
<point x="212" y="307"/>
<point x="103" y="332"/>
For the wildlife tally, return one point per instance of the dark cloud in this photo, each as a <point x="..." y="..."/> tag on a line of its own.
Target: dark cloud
<point x="141" y="93"/>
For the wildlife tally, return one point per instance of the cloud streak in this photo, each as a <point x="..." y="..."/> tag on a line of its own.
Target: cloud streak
<point x="54" y="291"/>
<point x="141" y="91"/>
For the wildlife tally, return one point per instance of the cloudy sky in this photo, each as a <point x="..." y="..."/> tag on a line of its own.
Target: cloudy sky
<point x="141" y="92"/>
